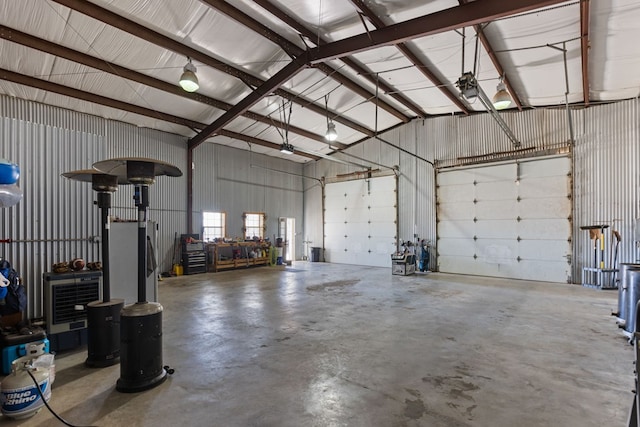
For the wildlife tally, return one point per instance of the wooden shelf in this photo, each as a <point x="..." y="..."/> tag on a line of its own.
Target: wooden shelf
<point x="227" y="256"/>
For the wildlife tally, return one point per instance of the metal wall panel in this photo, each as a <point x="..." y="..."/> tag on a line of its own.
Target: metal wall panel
<point x="237" y="181"/>
<point x="56" y="218"/>
<point x="607" y="171"/>
<point x="15" y="108"/>
<point x="167" y="196"/>
<point x="459" y="136"/>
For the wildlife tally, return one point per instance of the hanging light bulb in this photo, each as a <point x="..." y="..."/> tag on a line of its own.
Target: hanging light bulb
<point x="501" y="99"/>
<point x="331" y="134"/>
<point x="189" y="80"/>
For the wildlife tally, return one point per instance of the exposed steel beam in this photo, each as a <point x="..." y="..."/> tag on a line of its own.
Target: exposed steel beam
<point x="408" y="53"/>
<point x="435" y="23"/>
<point x="496" y="62"/>
<point x="294" y="51"/>
<point x="115" y="69"/>
<point x="135" y="29"/>
<point x="270" y="85"/>
<point x="261" y="142"/>
<point x="350" y="62"/>
<point x="584" y="44"/>
<point x="112" y="68"/>
<point x="450" y="19"/>
<point x="25" y="80"/>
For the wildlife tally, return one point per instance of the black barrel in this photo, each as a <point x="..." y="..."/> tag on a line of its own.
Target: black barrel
<point x="103" y="333"/>
<point x="633" y="290"/>
<point x="315" y="254"/>
<point x="140" y="347"/>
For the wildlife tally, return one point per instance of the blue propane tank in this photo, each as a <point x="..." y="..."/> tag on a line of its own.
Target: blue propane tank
<point x="20" y="397"/>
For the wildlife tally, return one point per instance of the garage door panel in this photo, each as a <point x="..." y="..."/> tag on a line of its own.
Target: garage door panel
<point x="335" y="234"/>
<point x="495" y="173"/>
<point x="514" y="239"/>
<point x="381" y="246"/>
<point x="456" y="177"/>
<point x="357" y="214"/>
<point x="550" y="207"/>
<point x="497" y="191"/>
<point x="496" y="229"/>
<point x="457" y="247"/>
<point x="456" y="193"/>
<point x="456" y="211"/>
<point x="544" y="271"/>
<point x="497" y="210"/>
<point x="370" y="217"/>
<point x="552" y="167"/>
<point x="381" y="200"/>
<point x="334" y="215"/>
<point x="456" y="229"/>
<point x="378" y="186"/>
<point x="383" y="230"/>
<point x="356" y="229"/>
<point x="543" y="250"/>
<point x="544" y="229"/>
<point x="382" y="214"/>
<point x="452" y="263"/>
<point x="544" y="187"/>
<point x="498" y="251"/>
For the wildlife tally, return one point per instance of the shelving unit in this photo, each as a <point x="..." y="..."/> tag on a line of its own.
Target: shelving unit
<point x="225" y="256"/>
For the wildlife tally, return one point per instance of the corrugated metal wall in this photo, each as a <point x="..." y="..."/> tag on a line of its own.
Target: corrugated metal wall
<point x="237" y="181"/>
<point x="607" y="174"/>
<point x="167" y="196"/>
<point x="606" y="166"/>
<point x="56" y="217"/>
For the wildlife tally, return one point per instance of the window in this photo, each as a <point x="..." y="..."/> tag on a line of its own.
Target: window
<point x="213" y="225"/>
<point x="254" y="225"/>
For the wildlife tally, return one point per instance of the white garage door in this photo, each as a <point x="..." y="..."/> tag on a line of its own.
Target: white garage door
<point x="360" y="222"/>
<point x="506" y="220"/>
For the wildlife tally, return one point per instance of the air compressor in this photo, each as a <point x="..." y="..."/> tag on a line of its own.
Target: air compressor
<point x="20" y="397"/>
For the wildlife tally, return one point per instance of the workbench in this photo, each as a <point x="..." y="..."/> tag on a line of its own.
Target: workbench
<point x="226" y="256"/>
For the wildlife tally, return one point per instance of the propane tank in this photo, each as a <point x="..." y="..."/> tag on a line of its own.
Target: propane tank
<point x="20" y="397"/>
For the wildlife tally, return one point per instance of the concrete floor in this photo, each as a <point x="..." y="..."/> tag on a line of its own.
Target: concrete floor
<point x="316" y="344"/>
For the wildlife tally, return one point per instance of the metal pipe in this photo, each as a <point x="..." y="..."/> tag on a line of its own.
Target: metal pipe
<point x="566" y="93"/>
<point x="288" y="173"/>
<point x="104" y="203"/>
<point x="403" y="150"/>
<point x="77" y="239"/>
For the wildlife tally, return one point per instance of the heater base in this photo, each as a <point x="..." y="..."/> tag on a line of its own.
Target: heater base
<point x="141" y="365"/>
<point x="103" y="333"/>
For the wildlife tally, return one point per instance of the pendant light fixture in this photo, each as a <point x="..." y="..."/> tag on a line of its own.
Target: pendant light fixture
<point x="189" y="80"/>
<point x="331" y="134"/>
<point x="286" y="148"/>
<point x="501" y="99"/>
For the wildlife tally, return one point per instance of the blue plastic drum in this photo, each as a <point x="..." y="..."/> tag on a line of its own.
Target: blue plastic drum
<point x="9" y="172"/>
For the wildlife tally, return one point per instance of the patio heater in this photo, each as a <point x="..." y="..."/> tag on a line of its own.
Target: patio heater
<point x="141" y="365"/>
<point x="103" y="316"/>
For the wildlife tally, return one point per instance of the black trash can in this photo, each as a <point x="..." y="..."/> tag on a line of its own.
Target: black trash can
<point x="315" y="254"/>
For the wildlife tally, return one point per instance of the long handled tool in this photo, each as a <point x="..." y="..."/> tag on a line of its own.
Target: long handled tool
<point x="176" y="253"/>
